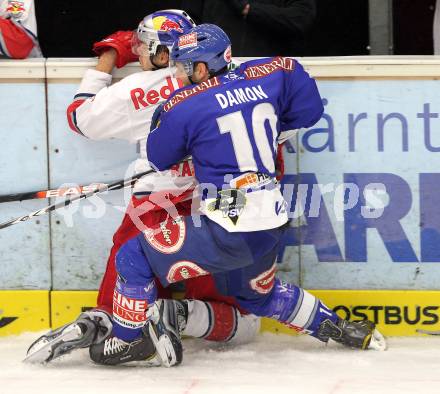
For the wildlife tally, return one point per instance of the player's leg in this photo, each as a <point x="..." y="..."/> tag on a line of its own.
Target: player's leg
<point x="215" y="317"/>
<point x="221" y="322"/>
<point x="183" y="258"/>
<point x="268" y="296"/>
<point x="135" y="310"/>
<point x="147" y="256"/>
<point x="91" y="327"/>
<point x="126" y="231"/>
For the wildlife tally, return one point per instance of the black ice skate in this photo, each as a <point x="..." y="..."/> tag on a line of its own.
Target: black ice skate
<point x="115" y="351"/>
<point x="360" y="335"/>
<point x="167" y="319"/>
<point x="88" y="328"/>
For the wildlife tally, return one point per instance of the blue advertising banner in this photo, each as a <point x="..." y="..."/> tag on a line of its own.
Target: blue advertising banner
<point x="363" y="189"/>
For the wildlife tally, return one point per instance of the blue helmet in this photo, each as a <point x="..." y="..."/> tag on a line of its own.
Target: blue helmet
<point x="161" y="28"/>
<point x="205" y="43"/>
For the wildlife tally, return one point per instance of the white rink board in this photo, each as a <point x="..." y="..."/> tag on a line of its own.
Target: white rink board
<point x="272" y="364"/>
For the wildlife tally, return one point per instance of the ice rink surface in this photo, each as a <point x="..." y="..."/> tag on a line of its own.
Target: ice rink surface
<point x="273" y="364"/>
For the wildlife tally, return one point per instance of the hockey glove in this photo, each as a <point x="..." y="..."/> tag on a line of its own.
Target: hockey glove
<point x="121" y="42"/>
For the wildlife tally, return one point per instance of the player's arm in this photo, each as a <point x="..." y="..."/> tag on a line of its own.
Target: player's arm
<point x="98" y="111"/>
<point x="167" y="143"/>
<point x="89" y="113"/>
<point x="301" y="102"/>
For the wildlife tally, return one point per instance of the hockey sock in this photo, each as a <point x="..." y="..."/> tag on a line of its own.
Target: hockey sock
<point x="135" y="291"/>
<point x="295" y="307"/>
<point x="216" y="321"/>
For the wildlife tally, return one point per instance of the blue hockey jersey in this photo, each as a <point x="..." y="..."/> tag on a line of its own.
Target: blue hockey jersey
<point x="231" y="125"/>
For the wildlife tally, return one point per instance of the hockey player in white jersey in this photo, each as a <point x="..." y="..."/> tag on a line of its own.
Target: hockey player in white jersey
<point x="124" y="110"/>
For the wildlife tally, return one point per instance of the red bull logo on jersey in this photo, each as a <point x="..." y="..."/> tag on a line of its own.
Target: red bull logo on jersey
<point x="264" y="282"/>
<point x="142" y="98"/>
<point x="15" y="8"/>
<point x="169" y="237"/>
<point x="183" y="270"/>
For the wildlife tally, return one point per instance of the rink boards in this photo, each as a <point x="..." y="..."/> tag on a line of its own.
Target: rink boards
<point x="396" y="312"/>
<point x="380" y="128"/>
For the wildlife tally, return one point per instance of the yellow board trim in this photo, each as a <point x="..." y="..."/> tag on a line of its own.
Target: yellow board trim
<point x="396" y="312"/>
<point x="24" y="310"/>
<point x="67" y="305"/>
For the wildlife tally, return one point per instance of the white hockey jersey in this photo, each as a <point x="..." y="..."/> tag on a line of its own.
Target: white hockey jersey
<point x="124" y="110"/>
<point x="22" y="13"/>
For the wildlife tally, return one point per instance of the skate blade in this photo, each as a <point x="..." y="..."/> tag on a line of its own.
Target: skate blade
<point x="378" y="341"/>
<point x="164" y="347"/>
<point x="42" y="350"/>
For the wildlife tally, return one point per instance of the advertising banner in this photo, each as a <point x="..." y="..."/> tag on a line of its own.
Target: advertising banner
<point x="363" y="188"/>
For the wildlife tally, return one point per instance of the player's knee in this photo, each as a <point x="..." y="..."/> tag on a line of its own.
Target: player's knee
<point x="278" y="302"/>
<point x="131" y="262"/>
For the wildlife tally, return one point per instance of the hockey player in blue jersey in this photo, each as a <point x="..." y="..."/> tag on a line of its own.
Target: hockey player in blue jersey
<point x="231" y="123"/>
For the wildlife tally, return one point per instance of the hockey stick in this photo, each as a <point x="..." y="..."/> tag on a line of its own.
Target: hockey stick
<point x="113" y="186"/>
<point x="59" y="192"/>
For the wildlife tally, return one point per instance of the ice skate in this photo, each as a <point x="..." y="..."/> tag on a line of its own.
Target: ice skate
<point x="115" y="351"/>
<point x="360" y="335"/>
<point x="167" y="320"/>
<point x="88" y="328"/>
